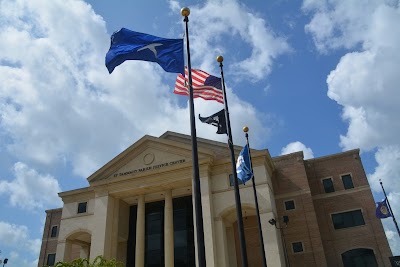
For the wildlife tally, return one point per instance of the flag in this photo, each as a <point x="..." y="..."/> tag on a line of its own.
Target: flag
<point x="130" y="45"/>
<point x="382" y="211"/>
<point x="204" y="85"/>
<point x="243" y="168"/>
<point x="218" y="120"/>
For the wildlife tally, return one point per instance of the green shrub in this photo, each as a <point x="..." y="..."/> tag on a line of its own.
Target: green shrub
<point x="99" y="261"/>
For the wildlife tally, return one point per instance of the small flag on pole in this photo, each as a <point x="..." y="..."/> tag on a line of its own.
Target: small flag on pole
<point x="382" y="211"/>
<point x="204" y="85"/>
<point x="243" y="167"/>
<point x="130" y="45"/>
<point x="218" y="120"/>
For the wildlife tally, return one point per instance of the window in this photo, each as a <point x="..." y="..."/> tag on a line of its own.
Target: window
<point x="289" y="205"/>
<point x="51" y="259"/>
<point x="82" y="207"/>
<point x="297" y="247"/>
<point x="231" y="180"/>
<point x="54" y="231"/>
<point x="347" y="219"/>
<point x="328" y="185"/>
<point x="347" y="181"/>
<point x="359" y="257"/>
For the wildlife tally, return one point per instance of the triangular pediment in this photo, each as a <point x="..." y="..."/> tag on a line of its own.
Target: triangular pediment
<point x="149" y="155"/>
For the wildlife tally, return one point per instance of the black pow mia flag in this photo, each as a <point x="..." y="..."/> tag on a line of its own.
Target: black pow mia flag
<point x="218" y="120"/>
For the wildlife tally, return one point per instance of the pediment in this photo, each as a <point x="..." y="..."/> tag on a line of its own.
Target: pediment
<point x="149" y="155"/>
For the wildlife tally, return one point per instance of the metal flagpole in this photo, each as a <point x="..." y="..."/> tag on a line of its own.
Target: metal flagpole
<point x="246" y="129"/>
<point x="390" y="208"/>
<point x="243" y="249"/>
<point x="195" y="157"/>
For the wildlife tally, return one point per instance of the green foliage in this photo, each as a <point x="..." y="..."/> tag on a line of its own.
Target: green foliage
<point x="99" y="261"/>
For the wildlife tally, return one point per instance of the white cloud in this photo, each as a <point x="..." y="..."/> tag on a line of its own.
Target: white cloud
<point x="365" y="81"/>
<point x="58" y="104"/>
<point x="390" y="229"/>
<point x="388" y="169"/>
<point x="31" y="190"/>
<point x="298" y="146"/>
<point x="17" y="236"/>
<point x="223" y="20"/>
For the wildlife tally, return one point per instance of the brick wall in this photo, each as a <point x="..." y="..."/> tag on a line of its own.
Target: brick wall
<point x="49" y="244"/>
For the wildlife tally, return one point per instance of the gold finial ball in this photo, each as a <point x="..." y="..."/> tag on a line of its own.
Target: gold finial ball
<point x="220" y="59"/>
<point x="245" y="129"/>
<point x="185" y="11"/>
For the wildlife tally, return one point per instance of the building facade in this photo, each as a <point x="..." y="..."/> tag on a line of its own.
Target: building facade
<point x="138" y="209"/>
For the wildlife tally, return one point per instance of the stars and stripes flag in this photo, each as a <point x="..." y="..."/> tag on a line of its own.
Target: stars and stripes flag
<point x="205" y="86"/>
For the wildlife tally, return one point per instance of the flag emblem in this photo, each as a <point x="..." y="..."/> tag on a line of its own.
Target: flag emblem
<point x="218" y="120"/>
<point x="382" y="210"/>
<point x="205" y="86"/>
<point x="243" y="166"/>
<point x="130" y="45"/>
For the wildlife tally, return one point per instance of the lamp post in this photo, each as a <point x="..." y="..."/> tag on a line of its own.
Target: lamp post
<point x="5" y="261"/>
<point x="285" y="220"/>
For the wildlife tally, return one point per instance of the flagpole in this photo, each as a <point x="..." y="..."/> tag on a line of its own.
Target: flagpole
<point x="246" y="129"/>
<point x="242" y="239"/>
<point x="390" y="208"/>
<point x="195" y="157"/>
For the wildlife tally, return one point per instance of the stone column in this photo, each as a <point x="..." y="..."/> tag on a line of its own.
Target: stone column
<point x="221" y="243"/>
<point x="140" y="232"/>
<point x="272" y="241"/>
<point x="67" y="251"/>
<point x="169" y="230"/>
<point x="103" y="226"/>
<point x="208" y="220"/>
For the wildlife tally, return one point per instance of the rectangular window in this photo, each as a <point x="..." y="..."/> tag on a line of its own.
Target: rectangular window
<point x="184" y="253"/>
<point x="297" y="247"/>
<point x="82" y="207"/>
<point x="51" y="259"/>
<point x="347" y="181"/>
<point x="347" y="219"/>
<point x="54" y="231"/>
<point x="328" y="185"/>
<point x="289" y="205"/>
<point x="231" y="180"/>
<point x="154" y="234"/>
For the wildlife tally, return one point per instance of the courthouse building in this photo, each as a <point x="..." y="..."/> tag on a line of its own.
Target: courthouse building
<point x="138" y="209"/>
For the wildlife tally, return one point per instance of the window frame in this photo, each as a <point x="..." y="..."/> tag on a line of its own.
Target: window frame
<point x="47" y="259"/>
<point x="51" y="231"/>
<point x="302" y="247"/>
<point x="351" y="179"/>
<point x="348" y="211"/>
<point x="323" y="186"/>
<point x="288" y="200"/>
<point x="86" y="207"/>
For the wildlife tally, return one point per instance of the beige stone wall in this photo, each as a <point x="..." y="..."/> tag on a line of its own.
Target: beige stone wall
<point x="141" y="170"/>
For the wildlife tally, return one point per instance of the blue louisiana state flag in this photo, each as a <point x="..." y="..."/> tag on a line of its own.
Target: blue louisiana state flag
<point x="130" y="45"/>
<point x="243" y="166"/>
<point x="382" y="210"/>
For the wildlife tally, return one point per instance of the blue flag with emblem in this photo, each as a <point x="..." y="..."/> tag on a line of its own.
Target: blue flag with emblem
<point x="382" y="210"/>
<point x="243" y="166"/>
<point x="130" y="45"/>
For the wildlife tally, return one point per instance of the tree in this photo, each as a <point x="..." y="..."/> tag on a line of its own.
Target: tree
<point x="99" y="261"/>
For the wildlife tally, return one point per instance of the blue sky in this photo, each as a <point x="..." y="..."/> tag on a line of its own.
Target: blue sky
<point x="318" y="76"/>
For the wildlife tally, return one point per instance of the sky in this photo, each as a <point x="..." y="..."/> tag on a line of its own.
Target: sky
<point x="314" y="75"/>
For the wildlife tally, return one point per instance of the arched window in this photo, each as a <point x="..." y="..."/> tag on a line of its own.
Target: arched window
<point x="360" y="257"/>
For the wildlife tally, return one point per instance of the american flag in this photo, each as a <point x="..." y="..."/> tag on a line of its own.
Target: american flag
<point x="204" y="85"/>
